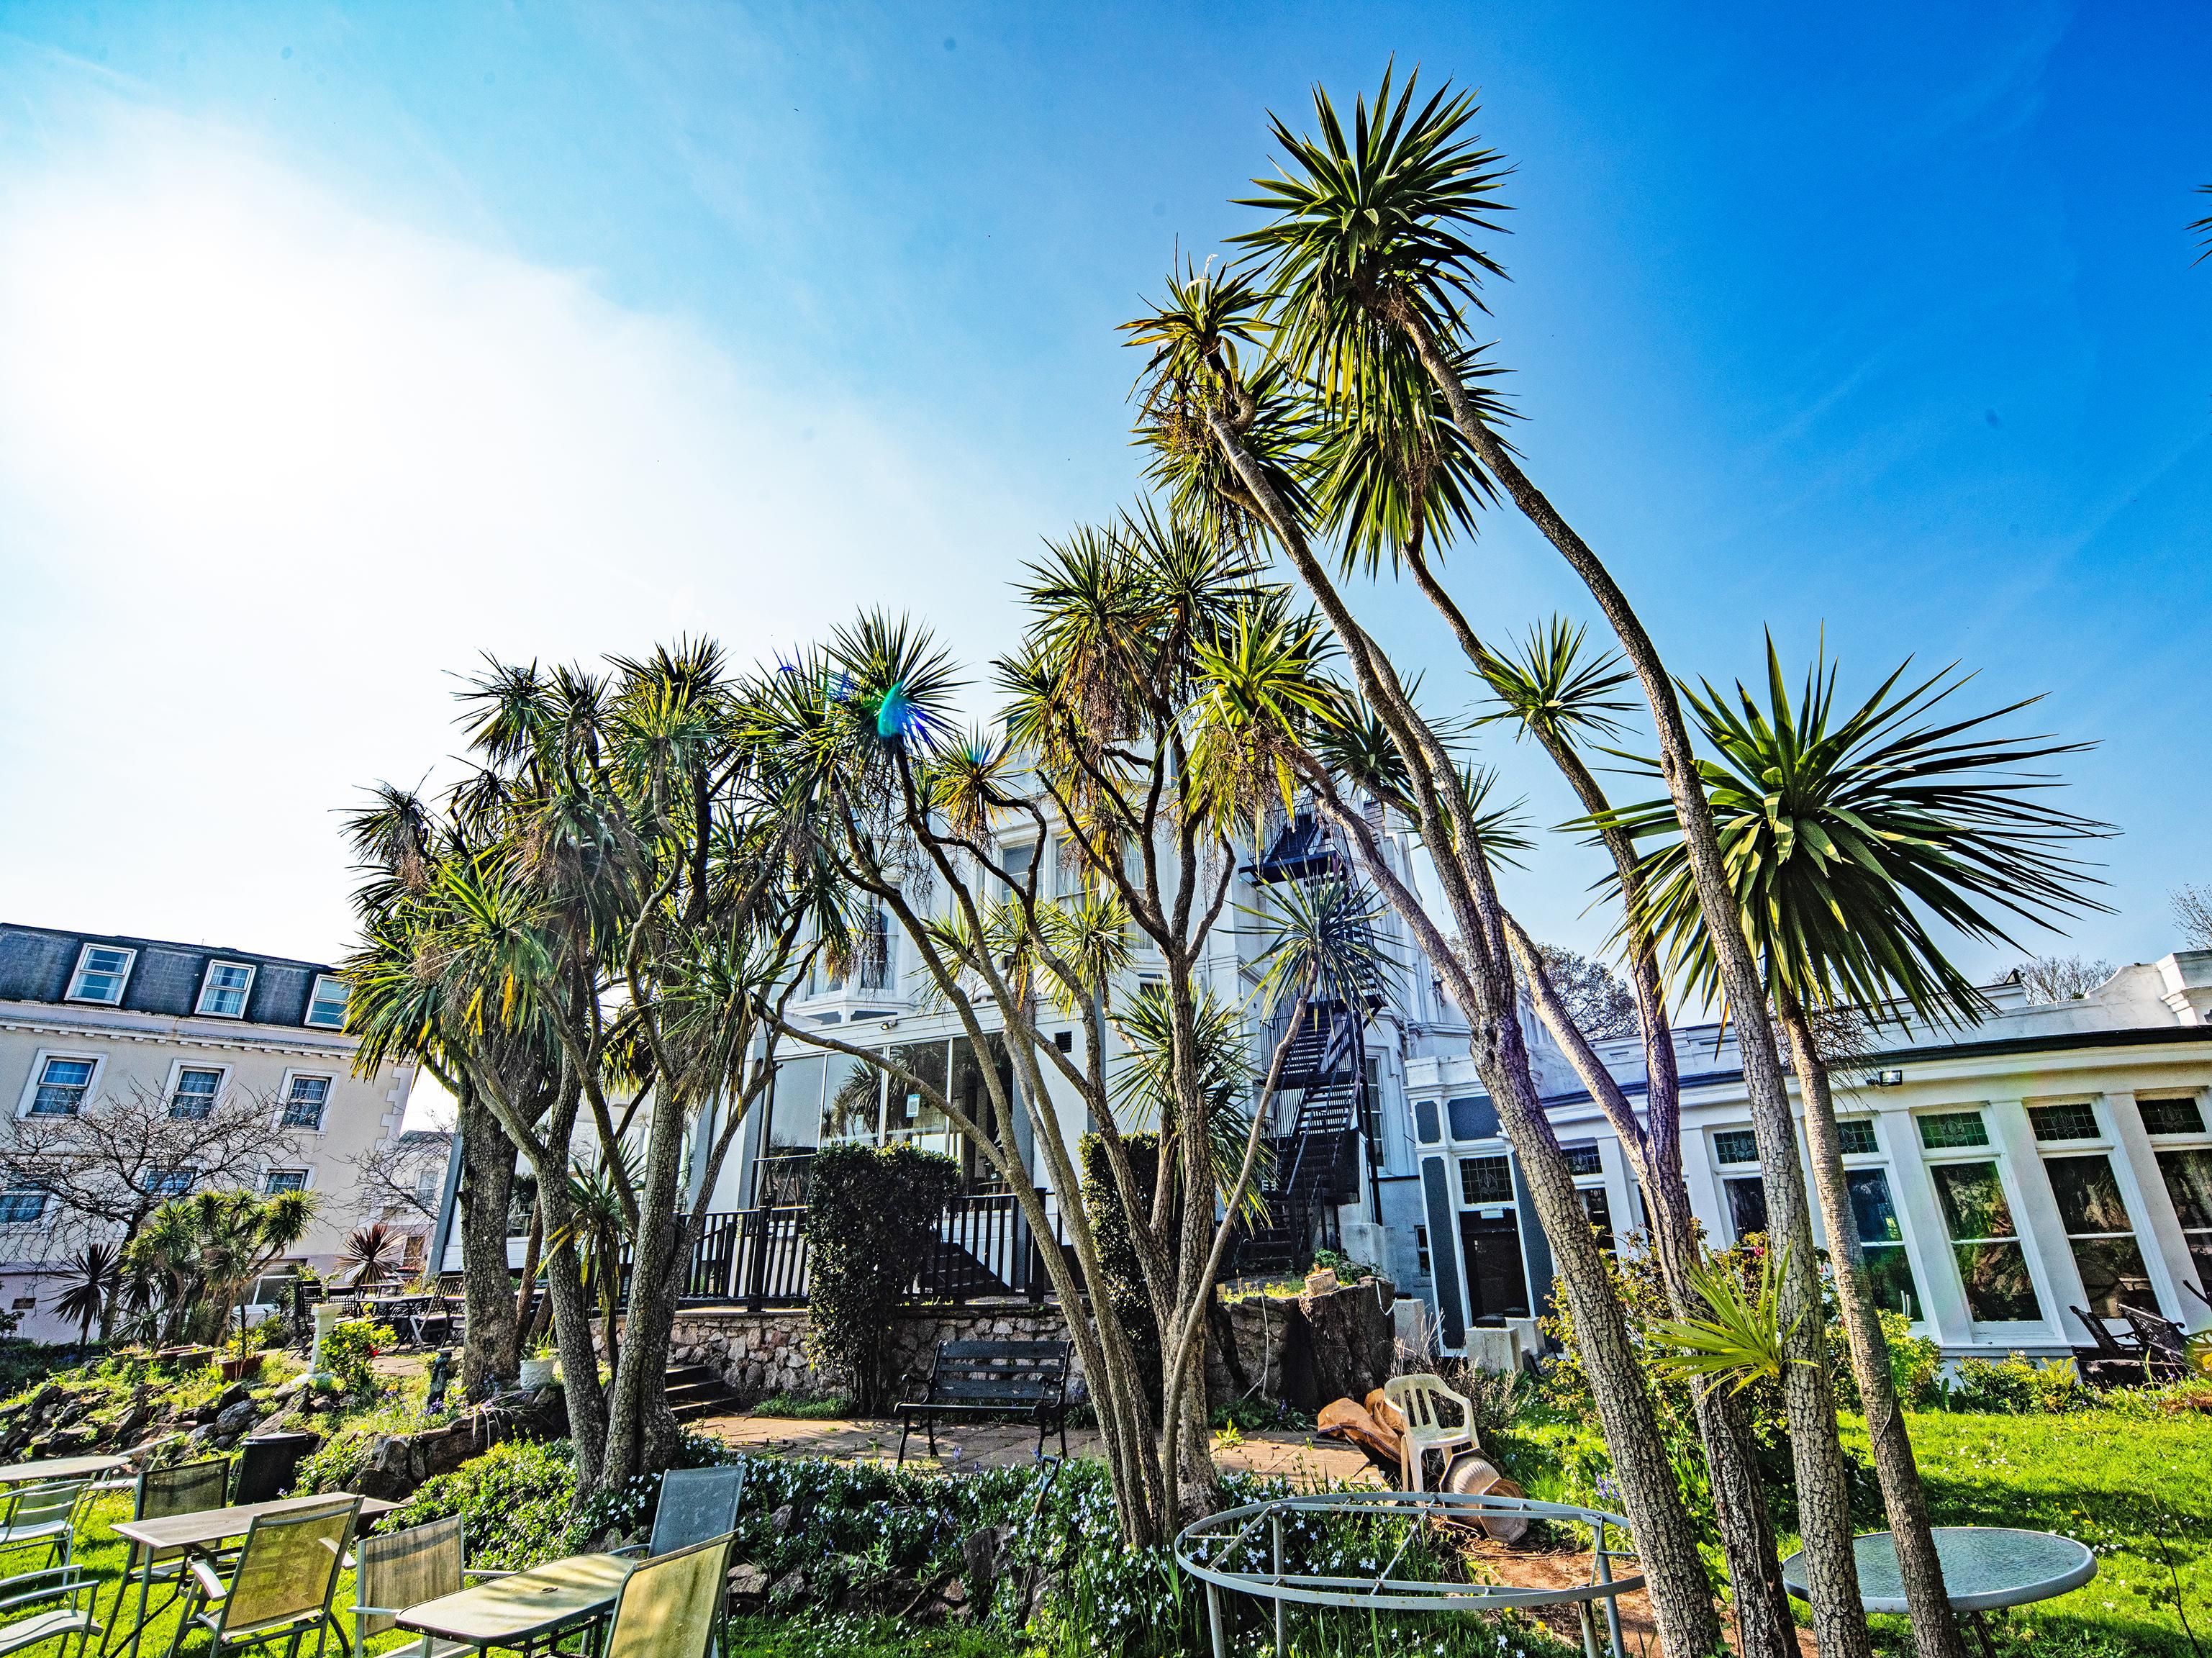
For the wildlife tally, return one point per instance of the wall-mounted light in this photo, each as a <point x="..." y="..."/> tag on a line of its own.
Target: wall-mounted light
<point x="1884" y="1078"/>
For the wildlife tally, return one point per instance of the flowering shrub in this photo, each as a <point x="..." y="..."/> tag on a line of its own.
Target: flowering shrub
<point x="348" y="1349"/>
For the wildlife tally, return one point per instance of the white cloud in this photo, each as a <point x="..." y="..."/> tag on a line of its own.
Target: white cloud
<point x="271" y="467"/>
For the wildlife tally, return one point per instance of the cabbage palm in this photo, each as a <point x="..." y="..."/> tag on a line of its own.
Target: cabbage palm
<point x="95" y="1273"/>
<point x="1193" y="336"/>
<point x="1373" y="257"/>
<point x="1841" y="830"/>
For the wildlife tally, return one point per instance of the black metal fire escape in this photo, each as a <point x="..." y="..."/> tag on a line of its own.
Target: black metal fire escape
<point x="1316" y="1165"/>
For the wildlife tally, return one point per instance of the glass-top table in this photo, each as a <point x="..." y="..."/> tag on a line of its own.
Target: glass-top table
<point x="1985" y="1568"/>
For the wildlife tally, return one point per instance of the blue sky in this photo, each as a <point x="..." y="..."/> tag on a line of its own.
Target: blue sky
<point x="342" y="342"/>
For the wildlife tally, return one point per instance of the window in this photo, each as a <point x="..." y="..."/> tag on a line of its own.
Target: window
<point x="101" y="972"/>
<point x="1600" y="1213"/>
<point x="2064" y="1122"/>
<point x="21" y="1207"/>
<point x="304" y="1101"/>
<point x="2188" y="1183"/>
<point x="2178" y="1117"/>
<point x="222" y="992"/>
<point x="1735" y="1145"/>
<point x="2097" y="1225"/>
<point x="1746" y="1201"/>
<point x="1016" y="861"/>
<point x="285" y="1180"/>
<point x="62" y="1084"/>
<point x="1857" y="1135"/>
<point x="1583" y="1159"/>
<point x="1947" y="1130"/>
<point x="171" y="1182"/>
<point x="1485" y="1180"/>
<point x="1889" y="1268"/>
<point x="871" y="966"/>
<point x="326" y="1003"/>
<point x="22" y="1303"/>
<point x="1421" y="1250"/>
<point x="1983" y="1237"/>
<point x="195" y="1092"/>
<point x="1068" y="868"/>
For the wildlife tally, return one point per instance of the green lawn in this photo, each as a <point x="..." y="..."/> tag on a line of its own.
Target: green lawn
<point x="2136" y="1488"/>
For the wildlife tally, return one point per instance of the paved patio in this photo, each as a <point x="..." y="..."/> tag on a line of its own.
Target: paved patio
<point x="1296" y="1456"/>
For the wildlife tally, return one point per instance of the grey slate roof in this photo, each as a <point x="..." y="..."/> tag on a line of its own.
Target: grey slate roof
<point x="36" y="964"/>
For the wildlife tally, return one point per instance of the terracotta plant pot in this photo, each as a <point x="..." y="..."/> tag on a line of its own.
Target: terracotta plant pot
<point x="237" y="1369"/>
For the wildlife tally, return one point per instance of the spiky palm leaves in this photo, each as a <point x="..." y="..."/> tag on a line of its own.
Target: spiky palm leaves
<point x="90" y="1279"/>
<point x="1843" y="829"/>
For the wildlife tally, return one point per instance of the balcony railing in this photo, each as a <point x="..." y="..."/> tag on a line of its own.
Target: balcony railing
<point x="985" y="1248"/>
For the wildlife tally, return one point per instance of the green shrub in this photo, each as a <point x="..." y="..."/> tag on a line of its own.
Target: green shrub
<point x="790" y="1406"/>
<point x="2017" y="1385"/>
<point x="871" y="1217"/>
<point x="1915" y="1366"/>
<point x="348" y="1349"/>
<point x="514" y="1501"/>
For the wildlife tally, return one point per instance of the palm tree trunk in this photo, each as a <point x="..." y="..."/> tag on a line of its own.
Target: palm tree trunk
<point x="1816" y="1449"/>
<point x="636" y="1417"/>
<point x="488" y="1347"/>
<point x="1936" y="1631"/>
<point x="572" y="1331"/>
<point x="1681" y="1593"/>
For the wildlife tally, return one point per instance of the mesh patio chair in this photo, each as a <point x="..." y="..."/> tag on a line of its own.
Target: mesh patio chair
<point x="281" y="1588"/>
<point x="2164" y="1348"/>
<point x="697" y="1505"/>
<point x="670" y="1606"/>
<point x="394" y="1570"/>
<point x="77" y="1590"/>
<point x="267" y="1465"/>
<point x="187" y="1488"/>
<point x="42" y="1516"/>
<point x="1417" y="1398"/>
<point x="2108" y="1362"/>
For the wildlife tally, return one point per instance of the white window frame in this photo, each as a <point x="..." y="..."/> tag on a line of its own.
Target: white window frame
<point x="1993" y="1150"/>
<point x="306" y="1172"/>
<point x="191" y="1173"/>
<point x="314" y="995"/>
<point x="39" y="1069"/>
<point x="284" y="1101"/>
<point x="44" y="1197"/>
<point x="122" y="975"/>
<point x="177" y="1076"/>
<point x="208" y="987"/>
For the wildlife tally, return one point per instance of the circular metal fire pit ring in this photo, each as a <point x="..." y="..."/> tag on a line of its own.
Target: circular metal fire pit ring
<point x="1218" y="1534"/>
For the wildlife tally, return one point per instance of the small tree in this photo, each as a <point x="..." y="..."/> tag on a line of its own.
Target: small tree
<point x="2060" y="978"/>
<point x="871" y="1217"/>
<point x="110" y="1166"/>
<point x="2192" y="913"/>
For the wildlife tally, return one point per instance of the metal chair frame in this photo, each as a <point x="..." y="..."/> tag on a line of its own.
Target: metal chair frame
<point x="53" y="1509"/>
<point x="364" y="1613"/>
<point x="153" y="1499"/>
<point x="69" y="1583"/>
<point x="209" y="1590"/>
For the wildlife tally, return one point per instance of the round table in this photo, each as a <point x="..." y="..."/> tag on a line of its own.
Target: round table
<point x="1985" y="1568"/>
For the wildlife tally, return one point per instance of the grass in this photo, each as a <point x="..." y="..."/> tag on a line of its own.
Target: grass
<point x="849" y="1637"/>
<point x="2136" y="1488"/>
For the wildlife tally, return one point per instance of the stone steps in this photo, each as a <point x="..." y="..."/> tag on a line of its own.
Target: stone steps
<point x="695" y="1391"/>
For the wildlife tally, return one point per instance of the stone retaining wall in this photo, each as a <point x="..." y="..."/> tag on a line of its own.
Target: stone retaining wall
<point x="1305" y="1351"/>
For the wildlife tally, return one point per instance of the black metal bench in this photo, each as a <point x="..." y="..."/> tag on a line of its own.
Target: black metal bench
<point x="1025" y="1380"/>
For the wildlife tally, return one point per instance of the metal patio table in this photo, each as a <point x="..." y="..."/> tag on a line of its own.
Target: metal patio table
<point x="1985" y="1569"/>
<point x="522" y="1611"/>
<point x="1204" y="1548"/>
<point x="203" y="1531"/>
<point x="60" y="1467"/>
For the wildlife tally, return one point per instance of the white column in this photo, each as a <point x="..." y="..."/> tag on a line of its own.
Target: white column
<point x="1943" y="1311"/>
<point x="2165" y="1251"/>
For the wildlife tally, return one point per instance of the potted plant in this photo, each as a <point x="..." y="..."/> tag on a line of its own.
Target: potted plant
<point x="537" y="1364"/>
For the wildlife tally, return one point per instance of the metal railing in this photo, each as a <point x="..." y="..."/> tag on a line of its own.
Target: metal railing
<point x="984" y="1249"/>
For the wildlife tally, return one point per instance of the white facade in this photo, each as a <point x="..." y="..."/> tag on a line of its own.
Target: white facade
<point x="2057" y="1157"/>
<point x="89" y="1021"/>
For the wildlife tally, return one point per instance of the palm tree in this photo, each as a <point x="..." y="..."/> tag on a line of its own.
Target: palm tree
<point x="369" y="1255"/>
<point x="1368" y="259"/>
<point x="94" y="1273"/>
<point x="1552" y="690"/>
<point x="1841" y="831"/>
<point x="1201" y="413"/>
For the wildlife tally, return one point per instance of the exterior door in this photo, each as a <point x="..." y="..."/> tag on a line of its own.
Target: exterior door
<point x="1497" y="1280"/>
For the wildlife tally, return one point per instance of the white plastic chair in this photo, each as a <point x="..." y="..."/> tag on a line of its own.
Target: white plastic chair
<point x="1416" y="1398"/>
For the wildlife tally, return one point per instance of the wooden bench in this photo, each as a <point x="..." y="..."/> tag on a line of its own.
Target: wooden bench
<point x="1025" y="1380"/>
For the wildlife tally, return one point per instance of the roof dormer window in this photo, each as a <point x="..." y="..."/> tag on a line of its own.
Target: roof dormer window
<point x="101" y="972"/>
<point x="223" y="991"/>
